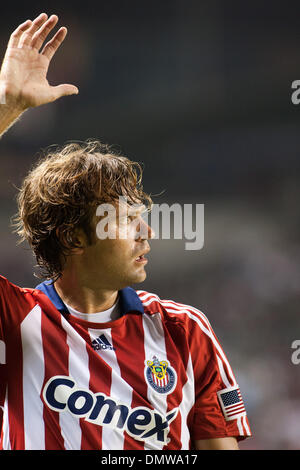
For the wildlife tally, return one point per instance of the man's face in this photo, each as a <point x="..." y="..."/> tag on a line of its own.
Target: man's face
<point x="117" y="259"/>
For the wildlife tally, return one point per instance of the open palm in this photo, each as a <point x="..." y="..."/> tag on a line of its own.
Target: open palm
<point x="24" y="70"/>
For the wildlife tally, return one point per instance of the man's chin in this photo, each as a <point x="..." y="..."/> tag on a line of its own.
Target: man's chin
<point x="139" y="277"/>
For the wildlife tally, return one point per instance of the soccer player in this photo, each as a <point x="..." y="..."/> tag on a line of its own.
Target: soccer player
<point x="86" y="361"/>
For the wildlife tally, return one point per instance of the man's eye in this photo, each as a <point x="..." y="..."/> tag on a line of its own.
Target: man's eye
<point x="127" y="219"/>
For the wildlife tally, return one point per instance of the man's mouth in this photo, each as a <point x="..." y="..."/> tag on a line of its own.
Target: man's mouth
<point x="141" y="259"/>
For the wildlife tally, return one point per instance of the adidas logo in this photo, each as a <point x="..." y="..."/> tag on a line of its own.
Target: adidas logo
<point x="102" y="343"/>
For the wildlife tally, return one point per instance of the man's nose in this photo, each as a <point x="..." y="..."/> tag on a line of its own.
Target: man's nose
<point x="144" y="231"/>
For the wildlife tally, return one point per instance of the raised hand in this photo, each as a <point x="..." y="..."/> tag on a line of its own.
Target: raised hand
<point x="23" y="75"/>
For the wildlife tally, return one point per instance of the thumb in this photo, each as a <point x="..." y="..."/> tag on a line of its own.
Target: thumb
<point x="64" y="90"/>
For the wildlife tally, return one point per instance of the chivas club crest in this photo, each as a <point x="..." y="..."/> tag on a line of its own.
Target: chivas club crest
<point x="160" y="375"/>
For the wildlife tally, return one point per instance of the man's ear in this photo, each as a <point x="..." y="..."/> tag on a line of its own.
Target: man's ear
<point x="74" y="242"/>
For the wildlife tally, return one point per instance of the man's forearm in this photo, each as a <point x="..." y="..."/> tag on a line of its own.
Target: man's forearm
<point x="9" y="113"/>
<point x="221" y="443"/>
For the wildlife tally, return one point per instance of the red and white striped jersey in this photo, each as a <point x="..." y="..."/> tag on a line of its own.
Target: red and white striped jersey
<point x="155" y="378"/>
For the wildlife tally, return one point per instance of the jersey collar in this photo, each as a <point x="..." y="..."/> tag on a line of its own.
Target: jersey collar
<point x="129" y="300"/>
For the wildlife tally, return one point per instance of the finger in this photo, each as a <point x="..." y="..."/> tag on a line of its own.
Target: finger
<point x="15" y="36"/>
<point x="64" y="90"/>
<point x="51" y="47"/>
<point x="36" y="24"/>
<point x="40" y="35"/>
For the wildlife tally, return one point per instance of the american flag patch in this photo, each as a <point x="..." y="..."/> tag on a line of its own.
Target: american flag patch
<point x="231" y="402"/>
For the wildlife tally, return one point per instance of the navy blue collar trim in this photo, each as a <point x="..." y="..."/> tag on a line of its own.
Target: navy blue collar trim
<point x="129" y="300"/>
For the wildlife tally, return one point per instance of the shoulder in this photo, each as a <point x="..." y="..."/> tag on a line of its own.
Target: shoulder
<point x="198" y="333"/>
<point x="185" y="315"/>
<point x="15" y="301"/>
<point x="187" y="326"/>
<point x="7" y="286"/>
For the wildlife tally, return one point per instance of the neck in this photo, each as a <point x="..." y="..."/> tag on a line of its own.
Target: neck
<point x="84" y="298"/>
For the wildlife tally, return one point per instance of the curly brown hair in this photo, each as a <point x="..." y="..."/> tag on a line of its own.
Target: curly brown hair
<point x="61" y="193"/>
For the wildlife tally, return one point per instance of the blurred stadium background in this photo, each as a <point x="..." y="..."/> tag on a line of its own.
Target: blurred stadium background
<point x="200" y="92"/>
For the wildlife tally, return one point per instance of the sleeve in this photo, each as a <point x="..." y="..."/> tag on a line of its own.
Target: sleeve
<point x="12" y="311"/>
<point x="219" y="410"/>
<point x="2" y="380"/>
<point x="2" y="356"/>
